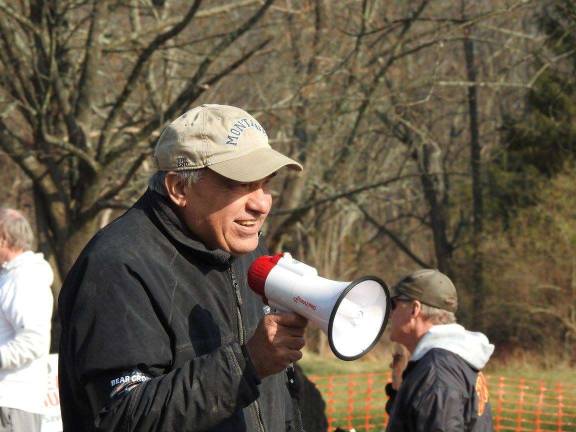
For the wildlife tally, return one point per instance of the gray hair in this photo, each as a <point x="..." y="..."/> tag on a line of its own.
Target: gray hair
<point x="188" y="177"/>
<point x="15" y="230"/>
<point x="437" y="316"/>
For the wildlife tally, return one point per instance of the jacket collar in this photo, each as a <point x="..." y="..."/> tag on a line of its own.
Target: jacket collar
<point x="165" y="217"/>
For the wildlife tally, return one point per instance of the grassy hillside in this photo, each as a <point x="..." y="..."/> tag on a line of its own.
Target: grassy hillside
<point x="313" y="364"/>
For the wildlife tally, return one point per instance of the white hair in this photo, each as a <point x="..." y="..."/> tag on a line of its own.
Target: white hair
<point x="15" y="230"/>
<point x="188" y="177"/>
<point x="437" y="316"/>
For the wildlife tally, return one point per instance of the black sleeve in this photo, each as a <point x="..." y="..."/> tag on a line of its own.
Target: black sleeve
<point x="438" y="408"/>
<point x="196" y="396"/>
<point x="391" y="393"/>
<point x="119" y="336"/>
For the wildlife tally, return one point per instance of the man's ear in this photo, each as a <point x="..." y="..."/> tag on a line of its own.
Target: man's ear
<point x="416" y="308"/>
<point x="176" y="189"/>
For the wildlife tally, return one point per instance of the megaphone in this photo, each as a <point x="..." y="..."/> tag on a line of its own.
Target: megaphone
<point x="352" y="314"/>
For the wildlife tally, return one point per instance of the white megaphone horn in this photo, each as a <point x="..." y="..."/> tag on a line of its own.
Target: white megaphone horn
<point x="352" y="314"/>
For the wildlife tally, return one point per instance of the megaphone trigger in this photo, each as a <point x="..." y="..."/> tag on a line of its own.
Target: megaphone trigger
<point x="353" y="314"/>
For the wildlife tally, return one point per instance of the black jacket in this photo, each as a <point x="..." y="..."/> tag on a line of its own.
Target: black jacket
<point x="153" y="333"/>
<point x="439" y="392"/>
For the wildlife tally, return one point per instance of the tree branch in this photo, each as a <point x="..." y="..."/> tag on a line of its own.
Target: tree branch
<point x="16" y="85"/>
<point x="369" y="92"/>
<point x="193" y="88"/>
<point x="551" y="312"/>
<point x="89" y="68"/>
<point x="335" y="197"/>
<point x="188" y="93"/>
<point x="108" y="194"/>
<point x="25" y="23"/>
<point x="152" y="126"/>
<point x="392" y="236"/>
<point x="137" y="70"/>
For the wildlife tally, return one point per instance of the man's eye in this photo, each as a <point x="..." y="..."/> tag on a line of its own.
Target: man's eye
<point x="237" y="186"/>
<point x="240" y="187"/>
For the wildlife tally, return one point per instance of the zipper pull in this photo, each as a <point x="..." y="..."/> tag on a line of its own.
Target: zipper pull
<point x="236" y="286"/>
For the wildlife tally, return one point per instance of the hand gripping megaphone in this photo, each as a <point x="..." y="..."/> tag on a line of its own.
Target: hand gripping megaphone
<point x="352" y="314"/>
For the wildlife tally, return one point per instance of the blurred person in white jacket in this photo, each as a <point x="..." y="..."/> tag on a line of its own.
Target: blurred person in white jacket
<point x="25" y="319"/>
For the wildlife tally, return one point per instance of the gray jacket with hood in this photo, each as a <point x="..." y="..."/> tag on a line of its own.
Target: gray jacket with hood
<point x="442" y="389"/>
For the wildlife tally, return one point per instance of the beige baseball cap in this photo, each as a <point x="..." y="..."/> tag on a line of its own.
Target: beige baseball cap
<point x="223" y="138"/>
<point x="429" y="286"/>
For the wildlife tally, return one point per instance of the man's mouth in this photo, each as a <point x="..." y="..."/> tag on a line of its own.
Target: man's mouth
<point x="246" y="223"/>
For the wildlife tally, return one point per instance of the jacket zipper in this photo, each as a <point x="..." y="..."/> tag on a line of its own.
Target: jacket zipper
<point x="242" y="337"/>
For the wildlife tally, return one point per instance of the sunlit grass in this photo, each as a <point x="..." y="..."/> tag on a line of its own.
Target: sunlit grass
<point x="329" y="364"/>
<point x="313" y="364"/>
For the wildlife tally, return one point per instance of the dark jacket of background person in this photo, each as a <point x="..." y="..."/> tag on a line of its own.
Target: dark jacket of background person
<point x="442" y="389"/>
<point x="311" y="403"/>
<point x="171" y="315"/>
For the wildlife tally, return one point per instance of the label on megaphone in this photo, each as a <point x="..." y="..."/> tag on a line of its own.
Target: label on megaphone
<point x="353" y="314"/>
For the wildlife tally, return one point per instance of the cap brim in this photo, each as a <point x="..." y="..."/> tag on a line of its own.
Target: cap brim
<point x="394" y="291"/>
<point x="254" y="166"/>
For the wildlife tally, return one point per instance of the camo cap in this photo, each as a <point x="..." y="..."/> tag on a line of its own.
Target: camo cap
<point x="429" y="287"/>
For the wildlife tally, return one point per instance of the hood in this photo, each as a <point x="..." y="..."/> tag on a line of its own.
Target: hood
<point x="41" y="269"/>
<point x="473" y="347"/>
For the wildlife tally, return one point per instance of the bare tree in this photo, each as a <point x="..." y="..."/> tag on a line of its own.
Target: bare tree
<point x="378" y="102"/>
<point x="476" y="174"/>
<point x="393" y="108"/>
<point x="86" y="85"/>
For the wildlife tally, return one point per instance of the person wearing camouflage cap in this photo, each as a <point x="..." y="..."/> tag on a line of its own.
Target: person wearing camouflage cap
<point x="160" y="331"/>
<point x="443" y="388"/>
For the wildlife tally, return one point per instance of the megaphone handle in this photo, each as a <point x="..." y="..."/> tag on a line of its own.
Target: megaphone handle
<point x="291" y="382"/>
<point x="290" y="369"/>
<point x="292" y="385"/>
<point x="291" y="376"/>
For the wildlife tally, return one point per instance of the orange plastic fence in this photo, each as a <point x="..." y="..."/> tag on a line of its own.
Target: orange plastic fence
<point x="357" y="402"/>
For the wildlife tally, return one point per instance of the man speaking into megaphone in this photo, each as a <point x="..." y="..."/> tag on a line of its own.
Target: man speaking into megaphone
<point x="160" y="331"/>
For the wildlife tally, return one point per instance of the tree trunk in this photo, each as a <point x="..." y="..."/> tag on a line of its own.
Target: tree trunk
<point x="477" y="202"/>
<point x="431" y="179"/>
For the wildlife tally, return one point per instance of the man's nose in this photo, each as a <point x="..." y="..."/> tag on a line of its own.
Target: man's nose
<point x="260" y="200"/>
